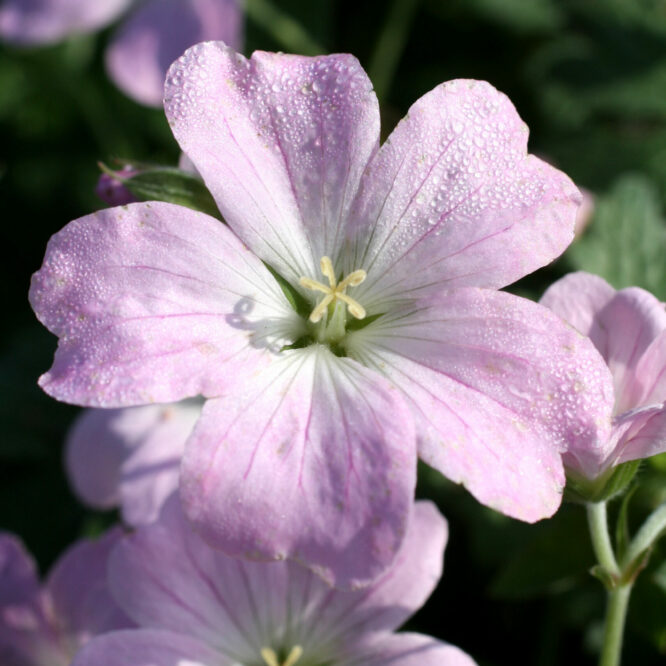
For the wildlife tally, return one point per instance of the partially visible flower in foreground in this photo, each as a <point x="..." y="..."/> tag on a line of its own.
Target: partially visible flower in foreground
<point x="196" y="606"/>
<point x="129" y="457"/>
<point x="395" y="335"/>
<point x="151" y="38"/>
<point x="45" y="626"/>
<point x="628" y="327"/>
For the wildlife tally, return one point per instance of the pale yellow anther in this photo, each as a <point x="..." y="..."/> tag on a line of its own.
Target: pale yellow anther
<point x="334" y="291"/>
<point x="271" y="659"/>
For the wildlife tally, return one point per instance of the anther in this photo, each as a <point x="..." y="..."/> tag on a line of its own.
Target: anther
<point x="271" y="659"/>
<point x="334" y="291"/>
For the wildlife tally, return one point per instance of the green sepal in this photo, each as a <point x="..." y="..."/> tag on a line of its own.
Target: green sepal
<point x="632" y="569"/>
<point x="295" y="298"/>
<point x="354" y="324"/>
<point x="170" y="185"/>
<point x="606" y="577"/>
<point x="610" y="484"/>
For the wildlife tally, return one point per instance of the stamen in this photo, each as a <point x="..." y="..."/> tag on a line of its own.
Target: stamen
<point x="335" y="291"/>
<point x="269" y="656"/>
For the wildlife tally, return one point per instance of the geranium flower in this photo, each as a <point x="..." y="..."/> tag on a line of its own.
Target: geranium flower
<point x="628" y="327"/>
<point x="196" y="606"/>
<point x="153" y="36"/>
<point x="129" y="457"/>
<point x="306" y="447"/>
<point x="45" y="626"/>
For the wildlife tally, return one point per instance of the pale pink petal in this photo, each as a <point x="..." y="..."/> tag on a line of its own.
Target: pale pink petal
<point x="153" y="303"/>
<point x="648" y="384"/>
<point x="129" y="457"/>
<point x="409" y="650"/>
<point x="24" y="631"/>
<point x="146" y="647"/>
<point x="281" y="142"/>
<point x="166" y="577"/>
<point x="314" y="461"/>
<point x="579" y="298"/>
<point x="641" y="434"/>
<point x="500" y="388"/>
<point x="158" y="33"/>
<point x="633" y="319"/>
<point x="33" y="22"/>
<point x="452" y="197"/>
<point x="78" y="590"/>
<point x="336" y="621"/>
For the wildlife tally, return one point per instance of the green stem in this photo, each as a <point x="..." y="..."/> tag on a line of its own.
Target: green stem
<point x="649" y="532"/>
<point x="616" y="614"/>
<point x="597" y="521"/>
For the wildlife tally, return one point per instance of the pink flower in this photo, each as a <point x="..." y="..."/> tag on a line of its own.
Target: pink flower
<point x="196" y="606"/>
<point x="129" y="457"/>
<point x="152" y="37"/>
<point x="306" y="447"/>
<point x="628" y="327"/>
<point x="45" y="626"/>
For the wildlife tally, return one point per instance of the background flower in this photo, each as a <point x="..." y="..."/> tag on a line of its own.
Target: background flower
<point x="45" y="626"/>
<point x="152" y="37"/>
<point x="195" y="604"/>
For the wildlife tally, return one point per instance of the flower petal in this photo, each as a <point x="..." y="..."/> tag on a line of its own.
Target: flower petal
<point x="154" y="303"/>
<point x="79" y="593"/>
<point x="129" y="457"/>
<point x="158" y="33"/>
<point x="649" y="381"/>
<point x="29" y="22"/>
<point x="410" y="650"/>
<point x="579" y="298"/>
<point x="640" y="433"/>
<point x="281" y="142"/>
<point x="147" y="647"/>
<point x="335" y="622"/>
<point x="452" y="197"/>
<point x="313" y="461"/>
<point x="500" y="387"/>
<point x="24" y="631"/>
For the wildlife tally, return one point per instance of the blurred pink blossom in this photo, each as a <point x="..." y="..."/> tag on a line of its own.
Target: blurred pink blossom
<point x="153" y="35"/>
<point x="45" y="625"/>
<point x="196" y="606"/>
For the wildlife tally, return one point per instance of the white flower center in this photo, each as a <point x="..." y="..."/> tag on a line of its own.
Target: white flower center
<point x="335" y="291"/>
<point x="271" y="658"/>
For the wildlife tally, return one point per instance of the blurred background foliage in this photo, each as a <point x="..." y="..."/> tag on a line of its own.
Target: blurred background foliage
<point x="589" y="78"/>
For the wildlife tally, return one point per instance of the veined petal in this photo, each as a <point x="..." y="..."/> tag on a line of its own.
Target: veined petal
<point x="500" y="388"/>
<point x="129" y="456"/>
<point x="147" y="647"/>
<point x="405" y="649"/>
<point x="79" y="592"/>
<point x="281" y="142"/>
<point x="313" y="461"/>
<point x="44" y="21"/>
<point x="453" y="199"/>
<point x="649" y="383"/>
<point x="158" y="33"/>
<point x="154" y="303"/>
<point x="337" y="622"/>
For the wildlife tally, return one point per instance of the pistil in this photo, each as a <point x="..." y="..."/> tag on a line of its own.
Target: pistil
<point x="271" y="658"/>
<point x="335" y="291"/>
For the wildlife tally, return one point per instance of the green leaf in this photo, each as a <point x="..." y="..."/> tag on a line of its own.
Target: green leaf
<point x="626" y="242"/>
<point x="171" y="185"/>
